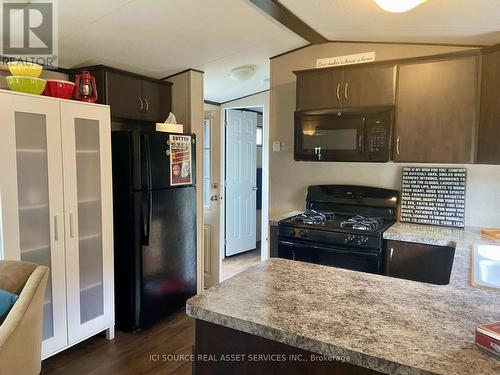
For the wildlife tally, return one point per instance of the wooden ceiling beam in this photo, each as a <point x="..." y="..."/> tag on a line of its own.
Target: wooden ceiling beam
<point x="284" y="16"/>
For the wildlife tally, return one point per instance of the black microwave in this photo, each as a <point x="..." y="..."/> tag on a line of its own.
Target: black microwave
<point x="344" y="135"/>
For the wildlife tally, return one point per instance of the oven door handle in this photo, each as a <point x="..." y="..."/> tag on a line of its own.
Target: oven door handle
<point x="342" y="251"/>
<point x="286" y="243"/>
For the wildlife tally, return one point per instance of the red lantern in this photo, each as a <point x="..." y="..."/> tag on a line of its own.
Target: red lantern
<point x="85" y="89"/>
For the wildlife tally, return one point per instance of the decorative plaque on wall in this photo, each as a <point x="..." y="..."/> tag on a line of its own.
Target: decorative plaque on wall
<point x="433" y="196"/>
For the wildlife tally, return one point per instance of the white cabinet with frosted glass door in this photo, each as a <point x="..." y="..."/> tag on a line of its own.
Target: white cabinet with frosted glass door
<point x="86" y="139"/>
<point x="41" y="215"/>
<point x="31" y="200"/>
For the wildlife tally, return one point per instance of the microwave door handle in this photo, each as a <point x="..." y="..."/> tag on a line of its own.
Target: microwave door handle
<point x="361" y="140"/>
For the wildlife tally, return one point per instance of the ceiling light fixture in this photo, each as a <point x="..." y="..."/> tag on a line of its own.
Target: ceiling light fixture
<point x="398" y="6"/>
<point x="242" y="73"/>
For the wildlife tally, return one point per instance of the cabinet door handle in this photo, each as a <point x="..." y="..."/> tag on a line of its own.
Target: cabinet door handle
<point x="346" y="91"/>
<point x="397" y="146"/>
<point x="141" y="104"/>
<point x="56" y="227"/>
<point x="338" y="92"/>
<point x="71" y="226"/>
<point x="147" y="105"/>
<point x="391" y="253"/>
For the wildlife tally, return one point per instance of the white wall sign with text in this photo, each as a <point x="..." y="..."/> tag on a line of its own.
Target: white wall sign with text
<point x="358" y="58"/>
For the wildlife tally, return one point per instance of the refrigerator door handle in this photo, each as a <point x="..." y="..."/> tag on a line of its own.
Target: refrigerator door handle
<point x="148" y="160"/>
<point x="146" y="217"/>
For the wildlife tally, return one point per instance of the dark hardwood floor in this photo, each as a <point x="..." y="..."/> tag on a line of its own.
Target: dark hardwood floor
<point x="130" y="353"/>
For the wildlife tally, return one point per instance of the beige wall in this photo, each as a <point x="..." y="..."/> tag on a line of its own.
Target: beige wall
<point x="187" y="105"/>
<point x="289" y="179"/>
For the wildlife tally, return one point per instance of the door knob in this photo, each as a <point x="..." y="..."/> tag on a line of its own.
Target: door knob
<point x="213" y="198"/>
<point x="255" y="188"/>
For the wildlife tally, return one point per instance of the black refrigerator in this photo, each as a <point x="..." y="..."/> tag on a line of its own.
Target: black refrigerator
<point x="154" y="225"/>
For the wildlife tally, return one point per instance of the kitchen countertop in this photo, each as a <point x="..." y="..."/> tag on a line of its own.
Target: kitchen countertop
<point x="389" y="325"/>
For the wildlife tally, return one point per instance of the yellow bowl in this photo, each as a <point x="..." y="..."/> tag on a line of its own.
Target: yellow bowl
<point x="26" y="69"/>
<point x="29" y="85"/>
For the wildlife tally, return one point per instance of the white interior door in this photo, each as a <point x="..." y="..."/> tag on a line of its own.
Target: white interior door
<point x="86" y="139"/>
<point x="241" y="175"/>
<point x="211" y="197"/>
<point x="31" y="200"/>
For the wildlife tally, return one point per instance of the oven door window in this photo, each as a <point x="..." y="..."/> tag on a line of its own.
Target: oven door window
<point x="329" y="137"/>
<point x="351" y="259"/>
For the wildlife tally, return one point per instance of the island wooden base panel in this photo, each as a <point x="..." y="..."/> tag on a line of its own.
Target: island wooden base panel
<point x="217" y="349"/>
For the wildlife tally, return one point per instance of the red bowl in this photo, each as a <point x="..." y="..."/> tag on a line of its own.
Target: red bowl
<point x="59" y="89"/>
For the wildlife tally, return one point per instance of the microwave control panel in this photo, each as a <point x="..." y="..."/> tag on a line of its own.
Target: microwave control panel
<point x="377" y="137"/>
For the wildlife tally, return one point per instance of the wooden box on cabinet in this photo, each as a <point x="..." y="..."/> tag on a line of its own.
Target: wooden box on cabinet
<point x="436" y="112"/>
<point x="131" y="96"/>
<point x="56" y="209"/>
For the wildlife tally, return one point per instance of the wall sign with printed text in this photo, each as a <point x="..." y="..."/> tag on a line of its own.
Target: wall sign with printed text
<point x="358" y="58"/>
<point x="181" y="171"/>
<point x="433" y="196"/>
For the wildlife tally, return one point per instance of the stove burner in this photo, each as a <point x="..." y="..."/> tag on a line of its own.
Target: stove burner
<point x="363" y="223"/>
<point x="314" y="217"/>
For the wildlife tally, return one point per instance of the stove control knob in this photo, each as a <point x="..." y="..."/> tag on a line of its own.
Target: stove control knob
<point x="291" y="232"/>
<point x="303" y="233"/>
<point x="348" y="239"/>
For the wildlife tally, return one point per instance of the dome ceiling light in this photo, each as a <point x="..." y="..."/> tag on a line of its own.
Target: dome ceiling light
<point x="242" y="73"/>
<point x="398" y="6"/>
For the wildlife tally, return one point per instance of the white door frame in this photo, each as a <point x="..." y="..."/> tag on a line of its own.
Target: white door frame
<point x="260" y="101"/>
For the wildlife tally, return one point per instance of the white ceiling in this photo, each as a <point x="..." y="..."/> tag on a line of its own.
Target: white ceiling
<point x="162" y="37"/>
<point x="159" y="38"/>
<point x="435" y="21"/>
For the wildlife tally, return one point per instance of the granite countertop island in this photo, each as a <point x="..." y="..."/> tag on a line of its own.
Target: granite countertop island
<point x="385" y="324"/>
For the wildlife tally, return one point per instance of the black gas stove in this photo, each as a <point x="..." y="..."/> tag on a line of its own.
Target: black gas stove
<point x="342" y="226"/>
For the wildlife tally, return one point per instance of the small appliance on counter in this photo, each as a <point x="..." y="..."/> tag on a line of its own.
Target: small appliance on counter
<point x="155" y="224"/>
<point x="342" y="226"/>
<point x="488" y="338"/>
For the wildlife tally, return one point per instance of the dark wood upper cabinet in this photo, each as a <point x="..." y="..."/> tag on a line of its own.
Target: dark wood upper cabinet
<point x="366" y="86"/>
<point x="319" y="89"/>
<point x="436" y="111"/>
<point x="131" y="96"/>
<point x="489" y="123"/>
<point x="123" y="94"/>
<point x="156" y="99"/>
<point x="356" y="86"/>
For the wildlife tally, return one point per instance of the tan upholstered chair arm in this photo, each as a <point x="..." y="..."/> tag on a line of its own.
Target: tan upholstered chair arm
<point x="21" y="332"/>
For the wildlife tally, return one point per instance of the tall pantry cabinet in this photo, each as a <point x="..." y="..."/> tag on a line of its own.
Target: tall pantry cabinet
<point x="56" y="209"/>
